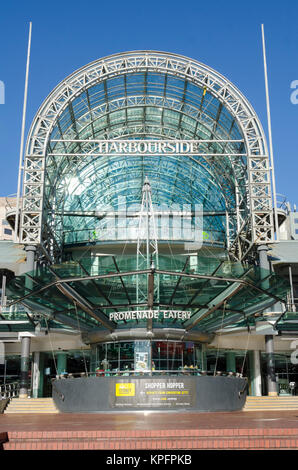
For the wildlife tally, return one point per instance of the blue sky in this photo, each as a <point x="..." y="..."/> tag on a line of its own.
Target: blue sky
<point x="226" y="35"/>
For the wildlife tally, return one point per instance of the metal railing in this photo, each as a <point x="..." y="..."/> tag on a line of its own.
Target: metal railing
<point x="10" y="390"/>
<point x="8" y="205"/>
<point x="282" y="202"/>
<point x="151" y="373"/>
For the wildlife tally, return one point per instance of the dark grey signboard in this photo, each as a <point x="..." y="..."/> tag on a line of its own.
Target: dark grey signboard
<point x="201" y="393"/>
<point x="152" y="393"/>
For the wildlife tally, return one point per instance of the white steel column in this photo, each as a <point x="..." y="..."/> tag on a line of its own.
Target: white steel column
<point x="257" y="376"/>
<point x="35" y="374"/>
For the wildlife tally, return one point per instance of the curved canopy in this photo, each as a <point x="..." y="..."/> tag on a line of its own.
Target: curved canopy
<point x="145" y="95"/>
<point x="82" y="293"/>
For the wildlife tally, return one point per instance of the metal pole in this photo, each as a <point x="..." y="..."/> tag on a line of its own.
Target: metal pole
<point x="228" y="229"/>
<point x="270" y="134"/>
<point x="271" y="378"/>
<point x="5" y="369"/>
<point x="147" y="231"/>
<point x="264" y="265"/>
<point x="25" y="358"/>
<point x="22" y="136"/>
<point x="30" y="258"/>
<point x="3" y="296"/>
<point x="293" y="309"/>
<point x="269" y="343"/>
<point x="257" y="374"/>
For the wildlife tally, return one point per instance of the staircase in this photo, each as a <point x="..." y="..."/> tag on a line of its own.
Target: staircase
<point x="31" y="405"/>
<point x="271" y="403"/>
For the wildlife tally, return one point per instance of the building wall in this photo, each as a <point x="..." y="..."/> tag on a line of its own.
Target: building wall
<point x="288" y="229"/>
<point x="294" y="225"/>
<point x="6" y="204"/>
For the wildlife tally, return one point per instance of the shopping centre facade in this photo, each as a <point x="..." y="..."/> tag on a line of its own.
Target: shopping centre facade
<point x="147" y="241"/>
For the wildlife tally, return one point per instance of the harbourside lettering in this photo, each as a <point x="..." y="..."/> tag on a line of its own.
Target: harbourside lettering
<point x="148" y="147"/>
<point x="150" y="315"/>
<point x="145" y="147"/>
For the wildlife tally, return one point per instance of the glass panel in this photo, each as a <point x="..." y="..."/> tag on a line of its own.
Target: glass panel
<point x="173" y="355"/>
<point x="109" y="294"/>
<point x="189" y="354"/>
<point x="127" y="356"/>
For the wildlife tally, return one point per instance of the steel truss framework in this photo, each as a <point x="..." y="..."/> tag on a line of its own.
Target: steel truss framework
<point x="254" y="216"/>
<point x="147" y="239"/>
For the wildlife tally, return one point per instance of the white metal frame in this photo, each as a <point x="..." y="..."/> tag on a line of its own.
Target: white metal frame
<point x="260" y="229"/>
<point x="147" y="245"/>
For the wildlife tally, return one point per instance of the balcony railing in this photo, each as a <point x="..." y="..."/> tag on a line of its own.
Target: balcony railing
<point x="10" y="390"/>
<point x="152" y="373"/>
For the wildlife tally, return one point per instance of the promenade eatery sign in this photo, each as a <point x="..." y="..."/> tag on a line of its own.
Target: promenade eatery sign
<point x="150" y="315"/>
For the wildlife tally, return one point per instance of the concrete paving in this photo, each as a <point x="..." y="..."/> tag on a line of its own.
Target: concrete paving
<point x="149" y="421"/>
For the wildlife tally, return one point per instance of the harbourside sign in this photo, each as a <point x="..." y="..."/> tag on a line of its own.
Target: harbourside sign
<point x="150" y="315"/>
<point x="144" y="147"/>
<point x="147" y="146"/>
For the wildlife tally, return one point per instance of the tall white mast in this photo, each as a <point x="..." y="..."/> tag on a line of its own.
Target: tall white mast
<point x="270" y="135"/>
<point x="22" y="136"/>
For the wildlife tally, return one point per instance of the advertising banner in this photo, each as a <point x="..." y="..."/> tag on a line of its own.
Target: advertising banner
<point x="164" y="392"/>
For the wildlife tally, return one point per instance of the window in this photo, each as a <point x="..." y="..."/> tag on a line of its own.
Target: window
<point x="135" y="355"/>
<point x="295" y="221"/>
<point x="116" y="355"/>
<point x="174" y="355"/>
<point x="7" y="231"/>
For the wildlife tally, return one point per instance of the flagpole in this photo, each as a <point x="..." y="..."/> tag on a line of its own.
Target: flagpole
<point x="16" y="238"/>
<point x="270" y="135"/>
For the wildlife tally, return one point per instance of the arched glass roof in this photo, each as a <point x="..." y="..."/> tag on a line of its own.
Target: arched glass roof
<point x="146" y="95"/>
<point x="144" y="105"/>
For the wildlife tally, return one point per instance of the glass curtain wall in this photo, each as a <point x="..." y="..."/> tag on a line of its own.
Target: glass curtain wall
<point x="286" y="374"/>
<point x="163" y="356"/>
